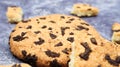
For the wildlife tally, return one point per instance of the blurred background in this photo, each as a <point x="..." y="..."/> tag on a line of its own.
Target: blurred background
<point x="109" y="13"/>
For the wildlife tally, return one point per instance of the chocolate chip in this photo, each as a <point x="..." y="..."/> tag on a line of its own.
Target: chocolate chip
<point x="23" y="33"/>
<point x="29" y="20"/>
<point x="71" y="33"/>
<point x="118" y="42"/>
<point x="70" y="49"/>
<point x="68" y="63"/>
<point x="37" y="19"/>
<point x="53" y="36"/>
<point x="87" y="52"/>
<point x="19" y="38"/>
<point x="59" y="44"/>
<point x="63" y="30"/>
<point x="40" y="42"/>
<point x="118" y="59"/>
<point x="89" y="34"/>
<point x="36" y="32"/>
<point x="20" y="27"/>
<point x="111" y="61"/>
<point x="81" y="28"/>
<point x="116" y="30"/>
<point x="93" y="40"/>
<point x="49" y="28"/>
<point x="13" y="30"/>
<point x="71" y="19"/>
<point x="62" y="17"/>
<point x="68" y="21"/>
<point x="49" y="53"/>
<point x="38" y="22"/>
<point x="85" y="24"/>
<point x="54" y="63"/>
<point x="66" y="51"/>
<point x="31" y="59"/>
<point x="29" y="27"/>
<point x="89" y="9"/>
<point x="52" y="21"/>
<point x="71" y="39"/>
<point x="44" y="26"/>
<point x="42" y="18"/>
<point x="24" y="53"/>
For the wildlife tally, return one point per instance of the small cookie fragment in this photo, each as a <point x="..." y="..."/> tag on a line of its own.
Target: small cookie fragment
<point x="83" y="10"/>
<point x="116" y="33"/>
<point x="14" y="14"/>
<point x="16" y="65"/>
<point x="116" y="27"/>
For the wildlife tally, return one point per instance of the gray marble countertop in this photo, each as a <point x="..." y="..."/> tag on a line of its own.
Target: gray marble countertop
<point x="109" y="13"/>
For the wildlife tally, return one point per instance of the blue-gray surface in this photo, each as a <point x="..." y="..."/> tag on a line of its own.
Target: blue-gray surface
<point x="109" y="13"/>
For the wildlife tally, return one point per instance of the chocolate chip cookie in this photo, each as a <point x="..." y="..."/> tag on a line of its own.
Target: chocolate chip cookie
<point x="56" y="40"/>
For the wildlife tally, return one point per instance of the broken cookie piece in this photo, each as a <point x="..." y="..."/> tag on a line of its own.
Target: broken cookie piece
<point x="116" y="33"/>
<point x="83" y="10"/>
<point x="14" y="14"/>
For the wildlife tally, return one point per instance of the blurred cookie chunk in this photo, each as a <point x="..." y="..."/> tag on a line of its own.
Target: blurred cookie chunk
<point x="14" y="14"/>
<point x="84" y="10"/>
<point x="116" y="33"/>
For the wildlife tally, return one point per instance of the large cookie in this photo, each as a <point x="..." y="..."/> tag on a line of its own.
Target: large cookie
<point x="47" y="41"/>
